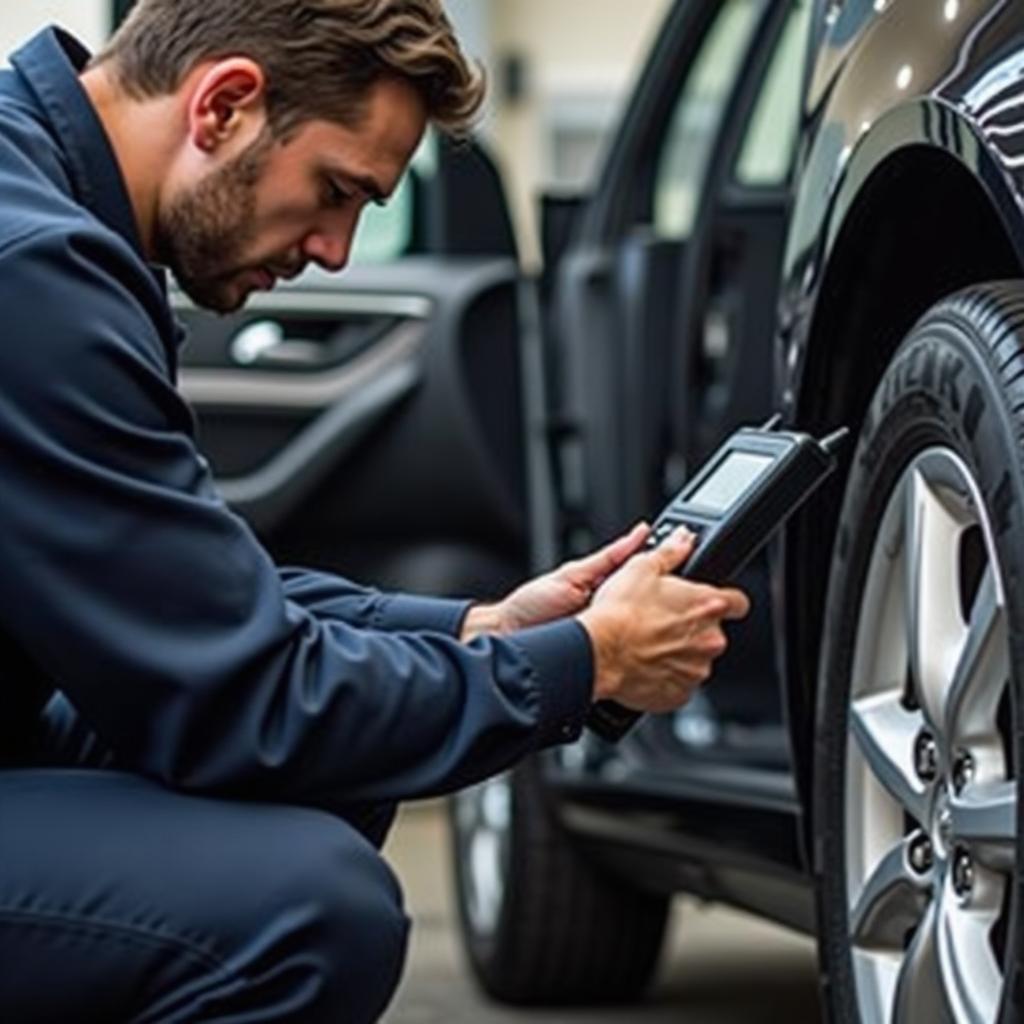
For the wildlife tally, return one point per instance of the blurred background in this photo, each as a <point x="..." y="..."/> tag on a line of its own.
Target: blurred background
<point x="555" y="91"/>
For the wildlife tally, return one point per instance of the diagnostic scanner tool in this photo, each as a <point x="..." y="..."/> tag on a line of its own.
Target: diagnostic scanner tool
<point x="738" y="499"/>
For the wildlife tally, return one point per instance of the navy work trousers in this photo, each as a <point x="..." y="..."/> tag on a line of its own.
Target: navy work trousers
<point x="123" y="901"/>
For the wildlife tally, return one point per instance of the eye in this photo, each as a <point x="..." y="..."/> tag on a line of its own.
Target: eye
<point x="334" y="194"/>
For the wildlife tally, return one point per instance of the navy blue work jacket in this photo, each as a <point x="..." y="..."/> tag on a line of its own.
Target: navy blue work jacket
<point x="126" y="582"/>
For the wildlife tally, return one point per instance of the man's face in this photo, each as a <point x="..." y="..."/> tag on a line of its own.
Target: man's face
<point x="265" y="213"/>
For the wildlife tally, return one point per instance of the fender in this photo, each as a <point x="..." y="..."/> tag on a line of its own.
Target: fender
<point x="900" y="85"/>
<point x="892" y="79"/>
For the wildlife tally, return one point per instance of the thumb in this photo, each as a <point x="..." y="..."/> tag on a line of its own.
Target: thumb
<point x="592" y="569"/>
<point x="673" y="551"/>
<point x="626" y="546"/>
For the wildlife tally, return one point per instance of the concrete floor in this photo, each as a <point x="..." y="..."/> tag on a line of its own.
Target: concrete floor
<point x="722" y="967"/>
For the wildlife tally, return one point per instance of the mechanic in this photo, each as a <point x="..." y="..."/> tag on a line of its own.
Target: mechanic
<point x="202" y="753"/>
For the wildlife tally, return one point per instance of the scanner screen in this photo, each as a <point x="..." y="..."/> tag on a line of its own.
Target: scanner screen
<point x="734" y="474"/>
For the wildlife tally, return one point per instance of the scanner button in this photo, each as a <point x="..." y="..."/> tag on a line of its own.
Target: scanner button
<point x="662" y="531"/>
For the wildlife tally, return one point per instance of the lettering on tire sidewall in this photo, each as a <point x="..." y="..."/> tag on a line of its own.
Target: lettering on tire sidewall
<point x="935" y="377"/>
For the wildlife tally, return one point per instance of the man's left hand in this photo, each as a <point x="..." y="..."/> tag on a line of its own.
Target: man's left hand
<point x="562" y="592"/>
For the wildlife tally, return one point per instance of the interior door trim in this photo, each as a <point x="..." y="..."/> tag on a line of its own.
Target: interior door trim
<point x="273" y="491"/>
<point x="416" y="307"/>
<point x="261" y="389"/>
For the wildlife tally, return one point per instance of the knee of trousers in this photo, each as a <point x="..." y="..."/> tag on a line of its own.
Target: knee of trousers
<point x="330" y="925"/>
<point x="366" y="929"/>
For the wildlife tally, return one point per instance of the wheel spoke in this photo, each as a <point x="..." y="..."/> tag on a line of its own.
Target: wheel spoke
<point x="932" y="534"/>
<point x="970" y="978"/>
<point x="920" y="993"/>
<point x="891" y="903"/>
<point x="985" y="818"/>
<point x="982" y="668"/>
<point x="486" y="881"/>
<point x="496" y="804"/>
<point x="467" y="810"/>
<point x="885" y="732"/>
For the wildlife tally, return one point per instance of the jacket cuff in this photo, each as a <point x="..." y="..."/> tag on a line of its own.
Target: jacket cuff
<point x="562" y="659"/>
<point x="409" y="613"/>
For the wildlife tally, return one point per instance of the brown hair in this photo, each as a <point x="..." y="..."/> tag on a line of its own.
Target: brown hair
<point x="321" y="57"/>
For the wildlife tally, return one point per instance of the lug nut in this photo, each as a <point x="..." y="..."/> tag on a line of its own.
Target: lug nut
<point x="920" y="854"/>
<point x="926" y="757"/>
<point x="963" y="771"/>
<point x="963" y="874"/>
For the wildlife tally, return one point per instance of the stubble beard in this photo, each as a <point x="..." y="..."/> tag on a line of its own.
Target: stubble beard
<point x="205" y="232"/>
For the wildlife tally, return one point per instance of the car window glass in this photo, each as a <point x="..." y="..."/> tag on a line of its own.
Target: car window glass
<point x="769" y="144"/>
<point x="698" y="114"/>
<point x="385" y="232"/>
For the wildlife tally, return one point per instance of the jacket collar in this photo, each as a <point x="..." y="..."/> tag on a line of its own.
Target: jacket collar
<point x="50" y="63"/>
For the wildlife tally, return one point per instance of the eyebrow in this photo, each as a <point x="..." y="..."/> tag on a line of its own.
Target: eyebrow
<point x="368" y="185"/>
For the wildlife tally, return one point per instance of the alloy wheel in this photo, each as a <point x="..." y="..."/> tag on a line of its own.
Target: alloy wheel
<point x="930" y="790"/>
<point x="483" y="819"/>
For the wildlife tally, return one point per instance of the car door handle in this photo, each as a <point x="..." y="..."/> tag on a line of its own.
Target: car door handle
<point x="264" y="343"/>
<point x="833" y="9"/>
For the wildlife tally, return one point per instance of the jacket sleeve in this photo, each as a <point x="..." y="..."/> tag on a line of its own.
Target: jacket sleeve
<point x="333" y="597"/>
<point x="154" y="608"/>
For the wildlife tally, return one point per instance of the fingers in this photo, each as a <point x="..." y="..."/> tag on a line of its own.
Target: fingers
<point x="673" y="551"/>
<point x="591" y="570"/>
<point x="705" y="601"/>
<point x="736" y="603"/>
<point x="611" y="556"/>
<point x="713" y="642"/>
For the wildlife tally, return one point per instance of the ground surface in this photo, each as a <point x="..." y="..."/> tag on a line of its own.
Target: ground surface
<point x="722" y="967"/>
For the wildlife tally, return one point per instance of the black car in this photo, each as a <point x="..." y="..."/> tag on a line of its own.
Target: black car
<point x="814" y="208"/>
<point x="861" y="779"/>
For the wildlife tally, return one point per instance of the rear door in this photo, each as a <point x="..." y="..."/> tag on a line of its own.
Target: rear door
<point x="618" y="312"/>
<point x="730" y="288"/>
<point x="371" y="422"/>
<point x="664" y="319"/>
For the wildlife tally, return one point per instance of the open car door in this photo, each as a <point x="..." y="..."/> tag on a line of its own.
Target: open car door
<point x="663" y="320"/>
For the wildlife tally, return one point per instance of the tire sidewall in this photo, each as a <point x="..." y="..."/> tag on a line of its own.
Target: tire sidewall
<point x="942" y="388"/>
<point x="568" y="931"/>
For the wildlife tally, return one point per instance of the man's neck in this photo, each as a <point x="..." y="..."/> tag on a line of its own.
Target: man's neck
<point x="142" y="134"/>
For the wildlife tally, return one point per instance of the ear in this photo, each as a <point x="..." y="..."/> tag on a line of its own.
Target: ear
<point x="228" y="101"/>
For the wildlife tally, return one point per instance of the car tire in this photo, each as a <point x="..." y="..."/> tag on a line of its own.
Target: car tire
<point x="540" y="924"/>
<point x="919" y="729"/>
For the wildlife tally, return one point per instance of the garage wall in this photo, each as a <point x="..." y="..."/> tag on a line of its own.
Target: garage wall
<point x="559" y="71"/>
<point x="87" y="19"/>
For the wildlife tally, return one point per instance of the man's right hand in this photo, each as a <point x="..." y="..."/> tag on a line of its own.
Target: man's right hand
<point x="654" y="634"/>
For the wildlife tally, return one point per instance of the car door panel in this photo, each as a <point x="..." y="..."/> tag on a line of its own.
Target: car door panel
<point x="372" y="424"/>
<point x="733" y="360"/>
<point x="614" y="365"/>
<point x="664" y="351"/>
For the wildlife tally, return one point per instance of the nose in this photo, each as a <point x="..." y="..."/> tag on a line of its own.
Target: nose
<point x="328" y="250"/>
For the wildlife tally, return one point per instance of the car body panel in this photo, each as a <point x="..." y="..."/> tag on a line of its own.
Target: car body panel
<point x="902" y="94"/>
<point x="889" y="80"/>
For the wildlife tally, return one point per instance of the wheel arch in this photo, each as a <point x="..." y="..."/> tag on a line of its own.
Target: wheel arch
<point x="911" y="224"/>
